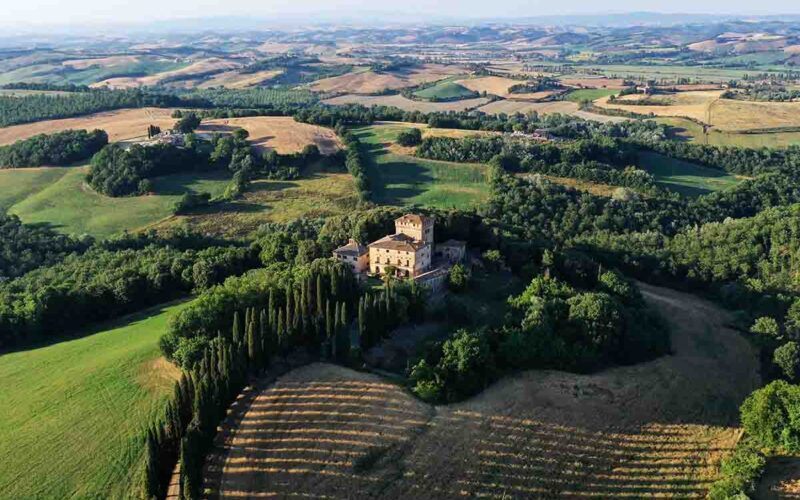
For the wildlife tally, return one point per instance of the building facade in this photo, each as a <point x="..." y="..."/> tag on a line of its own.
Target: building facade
<point x="353" y="254"/>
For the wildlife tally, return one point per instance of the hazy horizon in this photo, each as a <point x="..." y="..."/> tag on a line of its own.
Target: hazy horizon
<point x="93" y="13"/>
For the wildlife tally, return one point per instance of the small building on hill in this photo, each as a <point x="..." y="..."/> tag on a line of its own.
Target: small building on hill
<point x="409" y="253"/>
<point x="353" y="254"/>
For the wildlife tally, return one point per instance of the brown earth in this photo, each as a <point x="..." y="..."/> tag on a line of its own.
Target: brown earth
<point x="781" y="479"/>
<point x="236" y="80"/>
<point x="369" y="82"/>
<point x="657" y="429"/>
<point x="281" y="133"/>
<point x="212" y="64"/>
<point x="120" y="125"/>
<point x="407" y="104"/>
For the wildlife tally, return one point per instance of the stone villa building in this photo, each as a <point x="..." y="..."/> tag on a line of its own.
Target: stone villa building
<point x="410" y="251"/>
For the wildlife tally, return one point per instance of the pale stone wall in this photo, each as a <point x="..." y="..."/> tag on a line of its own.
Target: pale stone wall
<point x="358" y="264"/>
<point x="409" y="262"/>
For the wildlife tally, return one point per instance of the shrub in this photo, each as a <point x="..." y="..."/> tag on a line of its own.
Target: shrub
<point x="771" y="416"/>
<point x="410" y="137"/>
<point x="458" y="278"/>
<point x="787" y="357"/>
<point x="766" y="327"/>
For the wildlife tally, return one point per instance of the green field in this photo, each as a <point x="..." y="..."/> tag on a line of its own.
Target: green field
<point x="589" y="94"/>
<point x="67" y="204"/>
<point x="684" y="177"/>
<point x="72" y="413"/>
<point x="398" y="179"/>
<point x="683" y="129"/>
<point x="445" y="90"/>
<point x="18" y="184"/>
<point x="56" y="73"/>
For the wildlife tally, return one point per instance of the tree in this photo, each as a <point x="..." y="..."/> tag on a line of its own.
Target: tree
<point x="457" y="278"/>
<point x="787" y="358"/>
<point x="187" y="123"/>
<point x="766" y="327"/>
<point x="410" y="137"/>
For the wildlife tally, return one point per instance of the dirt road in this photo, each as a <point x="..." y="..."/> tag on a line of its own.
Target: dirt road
<point x="657" y="429"/>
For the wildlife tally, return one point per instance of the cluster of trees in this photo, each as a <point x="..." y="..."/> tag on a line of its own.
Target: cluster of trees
<point x="764" y="93"/>
<point x="187" y="122"/>
<point x="410" y="137"/>
<point x="579" y="322"/>
<point x="107" y="281"/>
<point x="26" y="247"/>
<point x="301" y="292"/>
<point x="599" y="159"/>
<point x="61" y="148"/>
<point x="116" y="171"/>
<point x="744" y="161"/>
<point x="36" y="107"/>
<point x="355" y="162"/>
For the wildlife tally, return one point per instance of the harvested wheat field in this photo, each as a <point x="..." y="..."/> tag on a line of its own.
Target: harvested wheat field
<point x="370" y="82"/>
<point x="543" y="108"/>
<point x="120" y="125"/>
<point x="281" y="133"/>
<point x="496" y="85"/>
<point x="407" y="104"/>
<point x="724" y="114"/>
<point x="693" y="105"/>
<point x="103" y="62"/>
<point x="201" y="67"/>
<point x="658" y="429"/>
<point x="236" y="80"/>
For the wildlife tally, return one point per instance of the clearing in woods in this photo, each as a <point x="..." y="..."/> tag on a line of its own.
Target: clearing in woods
<point x="74" y="412"/>
<point x="684" y="177"/>
<point x="657" y="429"/>
<point x="281" y="133"/>
<point x="60" y="198"/>
<point x="316" y="194"/>
<point x="120" y="125"/>
<point x="401" y="179"/>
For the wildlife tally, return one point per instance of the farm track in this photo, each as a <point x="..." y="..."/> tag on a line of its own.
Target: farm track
<point x="657" y="429"/>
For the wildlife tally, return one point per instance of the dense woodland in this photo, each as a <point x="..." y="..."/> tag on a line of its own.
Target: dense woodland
<point x="61" y="148"/>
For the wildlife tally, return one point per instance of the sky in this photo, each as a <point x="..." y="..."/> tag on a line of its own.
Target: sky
<point x="21" y="13"/>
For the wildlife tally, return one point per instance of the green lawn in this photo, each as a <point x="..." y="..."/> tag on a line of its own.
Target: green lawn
<point x="683" y="177"/>
<point x="398" y="179"/>
<point x="72" y="413"/>
<point x="18" y="184"/>
<point x="687" y="130"/>
<point x="444" y="90"/>
<point x="589" y="94"/>
<point x="69" y="205"/>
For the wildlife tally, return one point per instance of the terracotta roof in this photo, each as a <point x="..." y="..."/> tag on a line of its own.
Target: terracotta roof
<point x="414" y="219"/>
<point x="399" y="242"/>
<point x="352" y="248"/>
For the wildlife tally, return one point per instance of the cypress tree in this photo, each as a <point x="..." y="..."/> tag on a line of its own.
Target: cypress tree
<point x="252" y="341"/>
<point x="281" y="333"/>
<point x="263" y="333"/>
<point x="328" y="320"/>
<point x="151" y="467"/>
<point x="320" y="309"/>
<point x="236" y="333"/>
<point x="362" y="324"/>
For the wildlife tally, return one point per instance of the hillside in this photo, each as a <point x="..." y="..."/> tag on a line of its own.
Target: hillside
<point x="73" y="412"/>
<point x="655" y="429"/>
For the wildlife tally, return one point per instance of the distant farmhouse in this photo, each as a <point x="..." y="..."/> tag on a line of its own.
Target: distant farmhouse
<point x="408" y="253"/>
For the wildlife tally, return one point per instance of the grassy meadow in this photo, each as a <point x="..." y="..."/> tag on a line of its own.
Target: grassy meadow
<point x="589" y="94"/>
<point x="446" y="89"/>
<point x="59" y="197"/>
<point x="683" y="177"/>
<point x="400" y="179"/>
<point x="687" y="130"/>
<point x="72" y="412"/>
